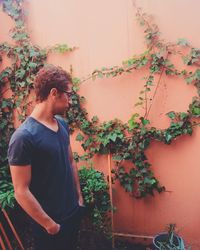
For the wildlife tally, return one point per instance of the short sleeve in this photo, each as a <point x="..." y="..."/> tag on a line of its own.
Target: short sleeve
<point x="20" y="149"/>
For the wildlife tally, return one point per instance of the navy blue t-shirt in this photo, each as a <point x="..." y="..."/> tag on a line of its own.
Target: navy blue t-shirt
<point x="52" y="181"/>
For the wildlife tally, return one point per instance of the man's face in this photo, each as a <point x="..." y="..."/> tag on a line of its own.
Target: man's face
<point x="63" y="100"/>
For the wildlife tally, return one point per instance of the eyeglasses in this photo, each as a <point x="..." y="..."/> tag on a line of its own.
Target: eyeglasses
<point x="69" y="93"/>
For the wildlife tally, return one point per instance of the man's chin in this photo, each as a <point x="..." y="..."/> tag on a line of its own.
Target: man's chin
<point x="60" y="112"/>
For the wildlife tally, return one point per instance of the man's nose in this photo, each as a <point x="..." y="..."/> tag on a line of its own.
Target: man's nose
<point x="70" y="101"/>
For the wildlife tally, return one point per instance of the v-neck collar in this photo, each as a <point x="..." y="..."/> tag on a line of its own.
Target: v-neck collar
<point x="55" y="132"/>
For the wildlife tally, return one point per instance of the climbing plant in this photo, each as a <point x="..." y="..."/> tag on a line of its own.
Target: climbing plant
<point x="126" y="142"/>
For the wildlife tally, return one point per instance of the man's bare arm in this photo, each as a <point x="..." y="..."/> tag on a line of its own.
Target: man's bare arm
<point x="76" y="177"/>
<point x="21" y="177"/>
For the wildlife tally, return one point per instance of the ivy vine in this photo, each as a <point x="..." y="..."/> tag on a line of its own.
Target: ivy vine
<point x="127" y="142"/>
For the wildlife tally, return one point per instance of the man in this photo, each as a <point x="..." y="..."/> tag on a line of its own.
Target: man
<point x="44" y="175"/>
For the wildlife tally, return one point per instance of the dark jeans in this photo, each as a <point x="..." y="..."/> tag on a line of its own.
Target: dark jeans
<point x="65" y="239"/>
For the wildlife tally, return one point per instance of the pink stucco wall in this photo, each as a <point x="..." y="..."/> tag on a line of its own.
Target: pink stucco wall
<point x="106" y="33"/>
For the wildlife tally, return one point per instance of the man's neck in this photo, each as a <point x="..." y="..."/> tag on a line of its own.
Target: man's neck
<point x="43" y="112"/>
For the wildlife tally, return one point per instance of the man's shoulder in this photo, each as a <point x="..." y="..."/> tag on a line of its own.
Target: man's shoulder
<point x="21" y="132"/>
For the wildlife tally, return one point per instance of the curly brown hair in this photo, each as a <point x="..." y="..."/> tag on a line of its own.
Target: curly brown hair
<point x="49" y="77"/>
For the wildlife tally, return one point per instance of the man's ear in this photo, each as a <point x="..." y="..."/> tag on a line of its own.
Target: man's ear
<point x="53" y="92"/>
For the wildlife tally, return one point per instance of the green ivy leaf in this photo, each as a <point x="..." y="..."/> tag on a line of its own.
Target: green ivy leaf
<point x="79" y="137"/>
<point x="183" y="115"/>
<point x="168" y="137"/>
<point x="144" y="121"/>
<point x="132" y="122"/>
<point x="183" y="42"/>
<point x="117" y="158"/>
<point x="20" y="73"/>
<point x="171" y="115"/>
<point x="32" y="65"/>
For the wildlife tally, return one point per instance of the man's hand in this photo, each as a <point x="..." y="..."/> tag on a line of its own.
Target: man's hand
<point x="53" y="228"/>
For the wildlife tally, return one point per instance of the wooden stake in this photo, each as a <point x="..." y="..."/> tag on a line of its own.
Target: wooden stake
<point x="13" y="229"/>
<point x="134" y="236"/>
<point x="5" y="237"/>
<point x="111" y="199"/>
<point x="2" y="244"/>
